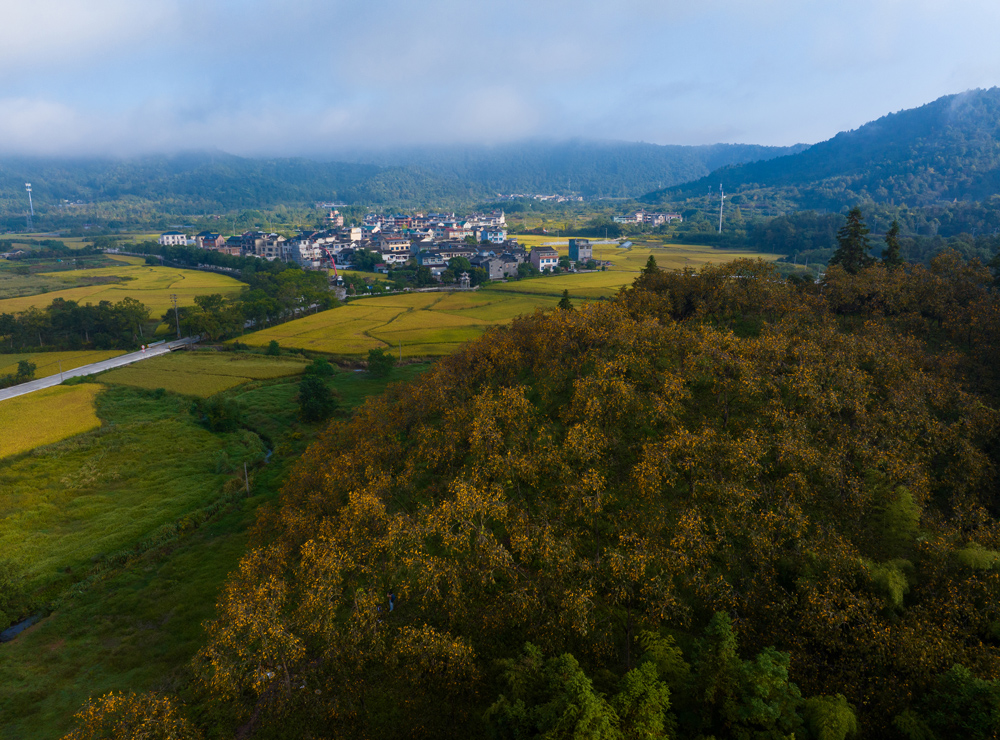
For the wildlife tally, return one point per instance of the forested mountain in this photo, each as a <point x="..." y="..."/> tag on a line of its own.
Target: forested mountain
<point x="219" y="182"/>
<point x="592" y="169"/>
<point x="938" y="152"/>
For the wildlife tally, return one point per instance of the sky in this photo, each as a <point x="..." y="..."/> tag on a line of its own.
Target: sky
<point x="317" y="77"/>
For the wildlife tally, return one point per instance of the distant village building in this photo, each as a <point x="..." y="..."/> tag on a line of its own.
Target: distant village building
<point x="464" y="281"/>
<point x="172" y="239"/>
<point x="652" y="219"/>
<point x="335" y="219"/>
<point x="210" y="240"/>
<point x="580" y="250"/>
<point x="544" y="258"/>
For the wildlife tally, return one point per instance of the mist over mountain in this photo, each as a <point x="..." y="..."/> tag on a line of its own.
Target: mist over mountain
<point x="216" y="181"/>
<point x="588" y="168"/>
<point x="948" y="149"/>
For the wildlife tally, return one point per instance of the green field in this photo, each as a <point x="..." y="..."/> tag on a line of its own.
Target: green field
<point x="150" y="466"/>
<point x="44" y="417"/>
<point x="424" y="324"/>
<point x="203" y="373"/>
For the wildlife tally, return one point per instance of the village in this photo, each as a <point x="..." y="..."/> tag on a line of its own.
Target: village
<point x="384" y="242"/>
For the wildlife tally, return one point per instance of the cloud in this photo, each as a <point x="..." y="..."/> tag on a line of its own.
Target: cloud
<point x="50" y="33"/>
<point x="315" y="76"/>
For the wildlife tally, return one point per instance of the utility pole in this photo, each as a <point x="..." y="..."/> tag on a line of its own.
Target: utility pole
<point x="722" y="201"/>
<point x="31" y="208"/>
<point x="177" y="318"/>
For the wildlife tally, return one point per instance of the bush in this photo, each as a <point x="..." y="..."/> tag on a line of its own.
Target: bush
<point x="380" y="363"/>
<point x="320" y="367"/>
<point x="218" y="414"/>
<point x="273" y="349"/>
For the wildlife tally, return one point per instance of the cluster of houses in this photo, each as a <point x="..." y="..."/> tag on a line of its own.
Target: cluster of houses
<point x="430" y="240"/>
<point x="650" y="219"/>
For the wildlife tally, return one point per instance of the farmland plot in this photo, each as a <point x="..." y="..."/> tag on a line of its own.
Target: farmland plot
<point x="203" y="374"/>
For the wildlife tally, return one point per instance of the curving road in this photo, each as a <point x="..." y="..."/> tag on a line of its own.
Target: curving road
<point x="94" y="367"/>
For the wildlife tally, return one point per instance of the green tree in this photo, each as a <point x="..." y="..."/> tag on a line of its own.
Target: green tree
<point x="891" y="256"/>
<point x="565" y="303"/>
<point x="960" y="705"/>
<point x="852" y="238"/>
<point x="551" y="699"/>
<point x="651" y="267"/>
<point x="380" y="363"/>
<point x="25" y="370"/>
<point x="273" y="348"/>
<point x="316" y="400"/>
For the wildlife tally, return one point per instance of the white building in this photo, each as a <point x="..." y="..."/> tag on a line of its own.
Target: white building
<point x="172" y="239"/>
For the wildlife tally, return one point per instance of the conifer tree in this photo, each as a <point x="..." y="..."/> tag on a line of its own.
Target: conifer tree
<point x="564" y="303"/>
<point x="852" y="254"/>
<point x="651" y="266"/>
<point x="890" y="255"/>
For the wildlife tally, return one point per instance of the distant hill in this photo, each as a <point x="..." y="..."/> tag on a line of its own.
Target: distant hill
<point x="218" y="182"/>
<point x="948" y="149"/>
<point x="588" y="168"/>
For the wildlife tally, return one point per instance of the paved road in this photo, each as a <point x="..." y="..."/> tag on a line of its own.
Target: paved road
<point x="95" y="367"/>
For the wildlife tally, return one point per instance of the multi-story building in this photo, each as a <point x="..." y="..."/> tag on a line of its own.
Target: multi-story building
<point x="580" y="250"/>
<point x="172" y="239"/>
<point x="544" y="258"/>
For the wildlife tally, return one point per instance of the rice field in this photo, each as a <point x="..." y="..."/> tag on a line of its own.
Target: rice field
<point x="49" y="363"/>
<point x="422" y="324"/>
<point x="202" y="374"/>
<point x="46" y="416"/>
<point x="150" y="285"/>
<point x="626" y="264"/>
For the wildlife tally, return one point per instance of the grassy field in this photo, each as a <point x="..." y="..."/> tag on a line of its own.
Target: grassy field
<point x="203" y="373"/>
<point x="427" y="324"/>
<point x="137" y="629"/>
<point x="48" y="363"/>
<point x="150" y="285"/>
<point x="44" y="417"/>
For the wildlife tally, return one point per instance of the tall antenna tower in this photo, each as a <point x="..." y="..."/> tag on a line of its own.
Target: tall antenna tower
<point x="722" y="200"/>
<point x="31" y="208"/>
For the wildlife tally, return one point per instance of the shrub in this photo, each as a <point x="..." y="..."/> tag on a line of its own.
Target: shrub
<point x="380" y="363"/>
<point x="218" y="414"/>
<point x="320" y="367"/>
<point x="273" y="349"/>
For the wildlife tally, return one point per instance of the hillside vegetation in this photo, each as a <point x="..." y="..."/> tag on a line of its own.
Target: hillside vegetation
<point x="941" y="151"/>
<point x="722" y="504"/>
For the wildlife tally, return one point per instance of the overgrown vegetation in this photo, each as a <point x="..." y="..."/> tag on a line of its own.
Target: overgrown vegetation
<point x="787" y="488"/>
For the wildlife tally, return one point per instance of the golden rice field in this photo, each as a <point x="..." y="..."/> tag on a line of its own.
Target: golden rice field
<point x="202" y="373"/>
<point x="46" y="416"/>
<point x="625" y="265"/>
<point x="430" y="324"/>
<point x="150" y="285"/>
<point x="424" y="324"/>
<point x="48" y="363"/>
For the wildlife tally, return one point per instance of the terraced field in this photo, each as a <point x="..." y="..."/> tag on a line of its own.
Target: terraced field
<point x="49" y="363"/>
<point x="424" y="324"/>
<point x="46" y="416"/>
<point x="203" y="374"/>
